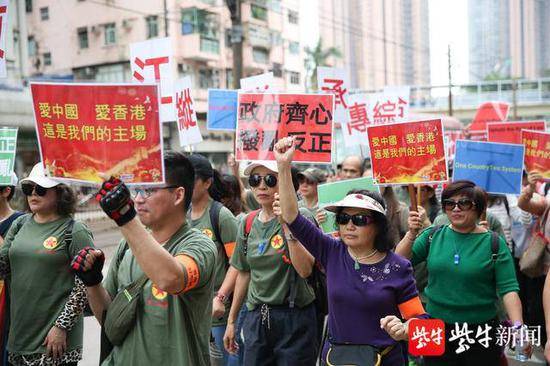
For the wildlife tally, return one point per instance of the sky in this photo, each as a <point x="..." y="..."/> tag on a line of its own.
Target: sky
<point x="448" y="20"/>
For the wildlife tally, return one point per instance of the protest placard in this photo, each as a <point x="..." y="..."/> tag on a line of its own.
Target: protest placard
<point x="8" y="146"/>
<point x="537" y="152"/>
<point x="335" y="81"/>
<point x="329" y="193"/>
<point x="88" y="130"/>
<point x="510" y="132"/>
<point x="188" y="127"/>
<point x="153" y="61"/>
<point x="263" y="119"/>
<point x="495" y="167"/>
<point x="407" y="153"/>
<point x="354" y="129"/>
<point x="389" y="106"/>
<point x="3" y="30"/>
<point x="263" y="83"/>
<point x="222" y="110"/>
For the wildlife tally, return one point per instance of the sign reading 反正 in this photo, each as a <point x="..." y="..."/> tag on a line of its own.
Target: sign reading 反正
<point x="88" y="130"/>
<point x="495" y="167"/>
<point x="403" y="153"/>
<point x="510" y="132"/>
<point x="222" y="110"/>
<point x="263" y="119"/>
<point x="152" y="61"/>
<point x="8" y="145"/>
<point x="537" y="152"/>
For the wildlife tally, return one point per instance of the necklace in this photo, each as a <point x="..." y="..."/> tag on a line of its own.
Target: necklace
<point x="456" y="259"/>
<point x="357" y="259"/>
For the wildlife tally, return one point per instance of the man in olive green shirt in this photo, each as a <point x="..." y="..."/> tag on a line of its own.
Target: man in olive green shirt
<point x="173" y="318"/>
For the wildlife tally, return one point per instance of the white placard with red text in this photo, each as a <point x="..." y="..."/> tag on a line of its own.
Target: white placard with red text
<point x="355" y="130"/>
<point x="188" y="127"/>
<point x="335" y="81"/>
<point x="3" y="31"/>
<point x="153" y="61"/>
<point x="263" y="83"/>
<point x="390" y="106"/>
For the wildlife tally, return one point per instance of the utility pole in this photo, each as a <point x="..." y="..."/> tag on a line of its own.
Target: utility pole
<point x="236" y="40"/>
<point x="449" y="66"/>
<point x="165" y="19"/>
<point x="515" y="98"/>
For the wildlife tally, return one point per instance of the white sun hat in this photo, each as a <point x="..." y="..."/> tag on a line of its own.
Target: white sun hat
<point x="38" y="176"/>
<point x="357" y="200"/>
<point x="269" y="164"/>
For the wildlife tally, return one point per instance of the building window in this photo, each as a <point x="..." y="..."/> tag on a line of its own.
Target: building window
<point x="276" y="38"/>
<point x="82" y="37"/>
<point x="47" y="59"/>
<point x="152" y="26"/>
<point x="31" y="46"/>
<point x="293" y="17"/>
<point x="110" y="34"/>
<point x="210" y="45"/>
<point x="294" y="77"/>
<point x="44" y="13"/>
<point x="209" y="78"/>
<point x="277" y="70"/>
<point x="294" y="47"/>
<point x="260" y="55"/>
<point x="195" y="20"/>
<point x="28" y="6"/>
<point x="258" y="12"/>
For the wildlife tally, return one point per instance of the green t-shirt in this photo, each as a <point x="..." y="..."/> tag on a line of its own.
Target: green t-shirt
<point x="313" y="210"/>
<point x="228" y="234"/>
<point x="41" y="280"/>
<point x="169" y="329"/>
<point x="464" y="292"/>
<point x="267" y="262"/>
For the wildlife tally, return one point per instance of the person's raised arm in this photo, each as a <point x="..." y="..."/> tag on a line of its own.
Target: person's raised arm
<point x="404" y="248"/>
<point x="526" y="201"/>
<point x="284" y="152"/>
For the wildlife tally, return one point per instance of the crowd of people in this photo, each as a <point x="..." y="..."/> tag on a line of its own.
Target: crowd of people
<point x="216" y="270"/>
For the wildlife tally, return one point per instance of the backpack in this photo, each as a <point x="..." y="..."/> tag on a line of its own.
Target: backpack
<point x="214" y="213"/>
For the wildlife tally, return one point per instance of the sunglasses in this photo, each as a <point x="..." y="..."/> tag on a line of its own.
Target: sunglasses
<point x="255" y="180"/>
<point x="357" y="220"/>
<point x="303" y="180"/>
<point x="147" y="192"/>
<point x="29" y="188"/>
<point x="463" y="204"/>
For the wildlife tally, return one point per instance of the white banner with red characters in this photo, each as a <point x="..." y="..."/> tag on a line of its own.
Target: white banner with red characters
<point x="3" y="31"/>
<point x="389" y="107"/>
<point x="153" y="61"/>
<point x="335" y="81"/>
<point x="188" y="127"/>
<point x="355" y="130"/>
<point x="264" y="83"/>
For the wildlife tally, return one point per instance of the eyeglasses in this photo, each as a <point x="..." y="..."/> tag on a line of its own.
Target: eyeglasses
<point x="463" y="204"/>
<point x="147" y="192"/>
<point x="357" y="220"/>
<point x="29" y="188"/>
<point x="255" y="180"/>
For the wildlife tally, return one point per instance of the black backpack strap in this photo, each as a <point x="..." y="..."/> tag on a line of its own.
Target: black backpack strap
<point x="431" y="234"/>
<point x="495" y="245"/>
<point x="214" y="213"/>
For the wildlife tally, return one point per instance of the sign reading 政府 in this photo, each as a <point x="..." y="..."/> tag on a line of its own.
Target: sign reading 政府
<point x="537" y="152"/>
<point x="8" y="145"/>
<point x="89" y="130"/>
<point x="3" y="30"/>
<point x="403" y="153"/>
<point x="335" y="81"/>
<point x="510" y="132"/>
<point x="222" y="110"/>
<point x="188" y="128"/>
<point x="263" y="119"/>
<point x="153" y="61"/>
<point x="495" y="167"/>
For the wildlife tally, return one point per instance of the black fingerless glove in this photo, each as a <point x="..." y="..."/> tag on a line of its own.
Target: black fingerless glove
<point x="115" y="200"/>
<point x="93" y="276"/>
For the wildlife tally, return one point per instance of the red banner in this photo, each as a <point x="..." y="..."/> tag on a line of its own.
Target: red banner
<point x="263" y="119"/>
<point x="404" y="153"/>
<point x="510" y="132"/>
<point x="537" y="152"/>
<point x="489" y="112"/>
<point x="88" y="130"/>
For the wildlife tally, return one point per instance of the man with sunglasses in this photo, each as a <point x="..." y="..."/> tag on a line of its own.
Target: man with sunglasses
<point x="173" y="317"/>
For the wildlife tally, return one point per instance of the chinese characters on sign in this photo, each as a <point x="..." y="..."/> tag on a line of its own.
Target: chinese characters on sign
<point x="3" y="31"/>
<point x="426" y="337"/>
<point x="404" y="153"/>
<point x="355" y="130"/>
<point x="222" y="110"/>
<point x="537" y="152"/>
<point x="510" y="132"/>
<point x="152" y="61"/>
<point x="88" y="130"/>
<point x="335" y="81"/>
<point x="8" y="145"/>
<point x="389" y="106"/>
<point x="188" y="127"/>
<point x="265" y="118"/>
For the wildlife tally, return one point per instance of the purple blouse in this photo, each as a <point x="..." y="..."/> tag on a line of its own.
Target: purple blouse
<point x="357" y="299"/>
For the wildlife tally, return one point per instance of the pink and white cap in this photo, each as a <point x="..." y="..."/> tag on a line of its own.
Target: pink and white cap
<point x="357" y="200"/>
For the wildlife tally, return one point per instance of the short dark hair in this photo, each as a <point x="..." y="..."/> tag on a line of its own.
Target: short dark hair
<point x="232" y="194"/>
<point x="12" y="192"/>
<point x="66" y="200"/>
<point x="468" y="189"/>
<point x="383" y="241"/>
<point x="180" y="172"/>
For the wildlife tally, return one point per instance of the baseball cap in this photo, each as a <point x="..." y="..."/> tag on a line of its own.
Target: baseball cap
<point x="38" y="176"/>
<point x="202" y="166"/>
<point x="314" y="174"/>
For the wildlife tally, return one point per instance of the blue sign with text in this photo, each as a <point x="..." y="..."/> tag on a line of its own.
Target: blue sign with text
<point x="222" y="110"/>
